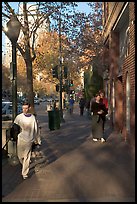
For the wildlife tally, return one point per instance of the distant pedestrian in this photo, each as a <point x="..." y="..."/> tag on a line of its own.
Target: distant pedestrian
<point x="82" y="104"/>
<point x="71" y="104"/>
<point x="98" y="111"/>
<point x="28" y="134"/>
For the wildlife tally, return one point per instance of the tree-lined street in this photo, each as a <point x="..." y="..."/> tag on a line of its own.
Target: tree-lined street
<point x="55" y="55"/>
<point x="59" y="35"/>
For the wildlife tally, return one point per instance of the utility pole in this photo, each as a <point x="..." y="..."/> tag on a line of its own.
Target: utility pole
<point x="60" y="65"/>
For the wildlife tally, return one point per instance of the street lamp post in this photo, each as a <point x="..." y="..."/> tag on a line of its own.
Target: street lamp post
<point x="13" y="30"/>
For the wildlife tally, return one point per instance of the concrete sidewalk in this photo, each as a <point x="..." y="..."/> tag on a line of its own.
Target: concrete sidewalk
<point x="73" y="168"/>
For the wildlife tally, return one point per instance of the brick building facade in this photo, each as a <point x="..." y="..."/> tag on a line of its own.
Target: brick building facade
<point x="119" y="58"/>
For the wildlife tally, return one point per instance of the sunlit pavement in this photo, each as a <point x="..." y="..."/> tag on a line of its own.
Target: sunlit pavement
<point x="72" y="167"/>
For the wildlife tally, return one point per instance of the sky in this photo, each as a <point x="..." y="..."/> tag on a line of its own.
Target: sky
<point x="83" y="7"/>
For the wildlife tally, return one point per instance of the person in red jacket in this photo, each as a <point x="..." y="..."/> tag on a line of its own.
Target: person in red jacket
<point x="103" y="100"/>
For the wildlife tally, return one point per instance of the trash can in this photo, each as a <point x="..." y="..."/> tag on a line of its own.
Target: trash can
<point x="54" y="119"/>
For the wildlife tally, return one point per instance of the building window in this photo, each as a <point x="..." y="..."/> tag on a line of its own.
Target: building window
<point x="124" y="44"/>
<point x="124" y="47"/>
<point x="123" y="29"/>
<point x="127" y="43"/>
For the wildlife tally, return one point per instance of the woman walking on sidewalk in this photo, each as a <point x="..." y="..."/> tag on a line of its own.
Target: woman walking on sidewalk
<point x="98" y="111"/>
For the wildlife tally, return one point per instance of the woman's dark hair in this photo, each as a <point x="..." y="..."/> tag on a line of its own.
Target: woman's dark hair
<point x="26" y="103"/>
<point x="97" y="94"/>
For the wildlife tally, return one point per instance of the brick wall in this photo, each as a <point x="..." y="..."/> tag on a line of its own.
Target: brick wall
<point x="129" y="66"/>
<point x="119" y="116"/>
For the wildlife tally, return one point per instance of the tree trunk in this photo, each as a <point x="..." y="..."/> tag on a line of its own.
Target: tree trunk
<point x="30" y="93"/>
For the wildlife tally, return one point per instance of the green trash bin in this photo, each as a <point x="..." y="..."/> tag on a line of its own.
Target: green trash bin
<point x="54" y="119"/>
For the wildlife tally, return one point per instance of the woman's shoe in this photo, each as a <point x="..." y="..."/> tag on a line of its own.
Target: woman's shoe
<point x="25" y="177"/>
<point x="102" y="140"/>
<point x="95" y="140"/>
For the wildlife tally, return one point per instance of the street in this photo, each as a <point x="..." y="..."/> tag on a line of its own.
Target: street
<point x="72" y="167"/>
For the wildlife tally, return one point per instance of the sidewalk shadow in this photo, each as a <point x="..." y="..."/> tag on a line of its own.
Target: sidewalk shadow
<point x="11" y="177"/>
<point x="70" y="136"/>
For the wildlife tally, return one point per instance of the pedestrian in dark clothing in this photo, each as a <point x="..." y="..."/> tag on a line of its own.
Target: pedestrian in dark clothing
<point x="82" y="103"/>
<point x="98" y="111"/>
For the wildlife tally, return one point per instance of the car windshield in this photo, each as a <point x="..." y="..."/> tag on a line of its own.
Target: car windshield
<point x="3" y="104"/>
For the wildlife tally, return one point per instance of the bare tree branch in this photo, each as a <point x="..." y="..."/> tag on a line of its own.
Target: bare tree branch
<point x="10" y="10"/>
<point x="5" y="15"/>
<point x="21" y="50"/>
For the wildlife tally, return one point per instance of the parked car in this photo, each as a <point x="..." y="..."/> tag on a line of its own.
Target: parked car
<point x="36" y="101"/>
<point x="50" y="99"/>
<point x="7" y="108"/>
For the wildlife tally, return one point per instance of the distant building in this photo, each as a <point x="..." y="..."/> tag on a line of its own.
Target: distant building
<point x="119" y="77"/>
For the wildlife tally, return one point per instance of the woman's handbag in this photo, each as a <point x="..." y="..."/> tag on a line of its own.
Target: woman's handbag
<point x="14" y="131"/>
